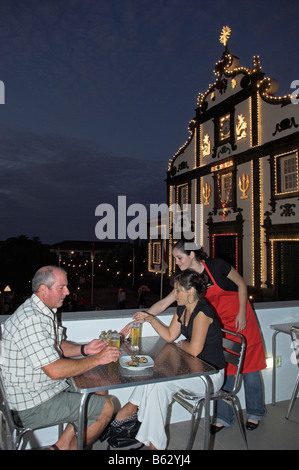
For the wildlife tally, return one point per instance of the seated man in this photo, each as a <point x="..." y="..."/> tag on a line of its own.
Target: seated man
<point x="36" y="363"/>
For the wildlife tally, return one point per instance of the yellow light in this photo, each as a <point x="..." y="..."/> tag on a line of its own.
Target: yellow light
<point x="269" y="362"/>
<point x="262" y="210"/>
<point x="221" y="166"/>
<point x="275" y="171"/>
<point x="170" y="261"/>
<point x="252" y="230"/>
<point x="225" y="33"/>
<point x="272" y="241"/>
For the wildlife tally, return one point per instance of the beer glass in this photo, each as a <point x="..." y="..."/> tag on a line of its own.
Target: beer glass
<point x="135" y="334"/>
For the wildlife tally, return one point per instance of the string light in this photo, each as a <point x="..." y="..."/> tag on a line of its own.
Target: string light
<point x="214" y="235"/>
<point x="272" y="241"/>
<point x="276" y="158"/>
<point x="262" y="210"/>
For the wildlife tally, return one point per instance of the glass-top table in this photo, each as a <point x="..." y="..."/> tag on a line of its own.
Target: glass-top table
<point x="170" y="363"/>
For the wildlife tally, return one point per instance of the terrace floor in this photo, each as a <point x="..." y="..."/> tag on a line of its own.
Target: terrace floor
<point x="274" y="433"/>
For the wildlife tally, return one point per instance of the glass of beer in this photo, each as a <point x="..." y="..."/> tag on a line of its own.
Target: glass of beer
<point x="135" y="334"/>
<point x="114" y="340"/>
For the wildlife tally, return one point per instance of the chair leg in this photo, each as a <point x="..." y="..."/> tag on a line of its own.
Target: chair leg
<point x="235" y="404"/>
<point x="19" y="437"/>
<point x="196" y="413"/>
<point x="295" y="391"/>
<point x="60" y="429"/>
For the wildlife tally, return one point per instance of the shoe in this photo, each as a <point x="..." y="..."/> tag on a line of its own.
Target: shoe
<point x="251" y="426"/>
<point x="214" y="429"/>
<point x="53" y="447"/>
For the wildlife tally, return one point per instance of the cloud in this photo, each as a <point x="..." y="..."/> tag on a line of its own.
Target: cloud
<point x="51" y="185"/>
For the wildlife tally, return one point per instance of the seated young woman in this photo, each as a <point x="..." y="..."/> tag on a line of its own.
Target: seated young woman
<point x="194" y="319"/>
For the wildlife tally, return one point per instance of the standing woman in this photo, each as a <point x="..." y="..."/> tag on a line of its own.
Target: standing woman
<point x="227" y="294"/>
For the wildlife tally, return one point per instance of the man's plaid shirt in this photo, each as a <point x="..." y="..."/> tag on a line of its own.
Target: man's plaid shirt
<point x="31" y="339"/>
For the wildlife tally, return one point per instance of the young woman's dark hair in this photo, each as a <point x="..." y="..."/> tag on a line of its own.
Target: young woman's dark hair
<point x="189" y="278"/>
<point x="186" y="246"/>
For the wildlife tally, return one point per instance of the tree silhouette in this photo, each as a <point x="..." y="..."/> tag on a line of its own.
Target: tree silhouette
<point x="20" y="258"/>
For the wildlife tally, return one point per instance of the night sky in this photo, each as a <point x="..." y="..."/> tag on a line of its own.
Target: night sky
<point x="99" y="95"/>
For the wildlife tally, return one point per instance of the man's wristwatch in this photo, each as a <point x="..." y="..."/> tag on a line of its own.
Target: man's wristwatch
<point x="82" y="350"/>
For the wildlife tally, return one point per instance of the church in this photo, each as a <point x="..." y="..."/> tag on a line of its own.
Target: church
<point x="235" y="180"/>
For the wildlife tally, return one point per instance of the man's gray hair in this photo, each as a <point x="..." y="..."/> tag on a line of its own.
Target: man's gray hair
<point x="45" y="276"/>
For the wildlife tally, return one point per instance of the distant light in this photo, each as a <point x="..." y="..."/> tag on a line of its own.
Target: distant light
<point x="269" y="362"/>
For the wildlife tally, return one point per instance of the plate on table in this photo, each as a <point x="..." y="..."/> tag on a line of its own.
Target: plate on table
<point x="143" y="362"/>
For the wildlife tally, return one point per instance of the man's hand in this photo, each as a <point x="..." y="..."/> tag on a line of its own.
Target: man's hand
<point x="109" y="354"/>
<point x="95" y="346"/>
<point x="104" y="352"/>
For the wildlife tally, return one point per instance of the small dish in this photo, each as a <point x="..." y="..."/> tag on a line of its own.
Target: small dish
<point x="124" y="362"/>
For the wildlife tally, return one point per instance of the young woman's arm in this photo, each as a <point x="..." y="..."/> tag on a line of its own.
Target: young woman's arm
<point x="155" y="309"/>
<point x="169" y="333"/>
<point x="234" y="276"/>
<point x="200" y="328"/>
<point x="158" y="307"/>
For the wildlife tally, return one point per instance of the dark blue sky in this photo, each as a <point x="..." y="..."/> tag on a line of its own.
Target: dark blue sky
<point x="99" y="94"/>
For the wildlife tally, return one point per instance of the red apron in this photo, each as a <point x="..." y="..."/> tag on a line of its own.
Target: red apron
<point x="226" y="306"/>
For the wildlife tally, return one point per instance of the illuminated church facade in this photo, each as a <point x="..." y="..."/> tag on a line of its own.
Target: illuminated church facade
<point x="235" y="181"/>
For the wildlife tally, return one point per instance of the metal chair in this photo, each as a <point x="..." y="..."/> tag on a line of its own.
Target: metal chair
<point x="295" y="343"/>
<point x="234" y="350"/>
<point x="13" y="433"/>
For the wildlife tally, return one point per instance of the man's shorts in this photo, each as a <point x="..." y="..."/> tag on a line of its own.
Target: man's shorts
<point x="63" y="408"/>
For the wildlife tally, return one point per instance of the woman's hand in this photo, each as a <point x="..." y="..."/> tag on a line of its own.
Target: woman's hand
<point x="240" y="322"/>
<point x="145" y="317"/>
<point x="126" y="331"/>
<point x="139" y="316"/>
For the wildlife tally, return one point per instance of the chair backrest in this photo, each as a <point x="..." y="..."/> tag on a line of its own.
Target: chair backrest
<point x="295" y="343"/>
<point x="234" y="350"/>
<point x="5" y="407"/>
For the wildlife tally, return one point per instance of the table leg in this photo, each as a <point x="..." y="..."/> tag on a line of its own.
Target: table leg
<point x="207" y="383"/>
<point x="274" y="366"/>
<point x="81" y="421"/>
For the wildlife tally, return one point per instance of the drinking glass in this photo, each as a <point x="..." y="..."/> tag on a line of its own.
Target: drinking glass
<point x="114" y="340"/>
<point x="135" y="334"/>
